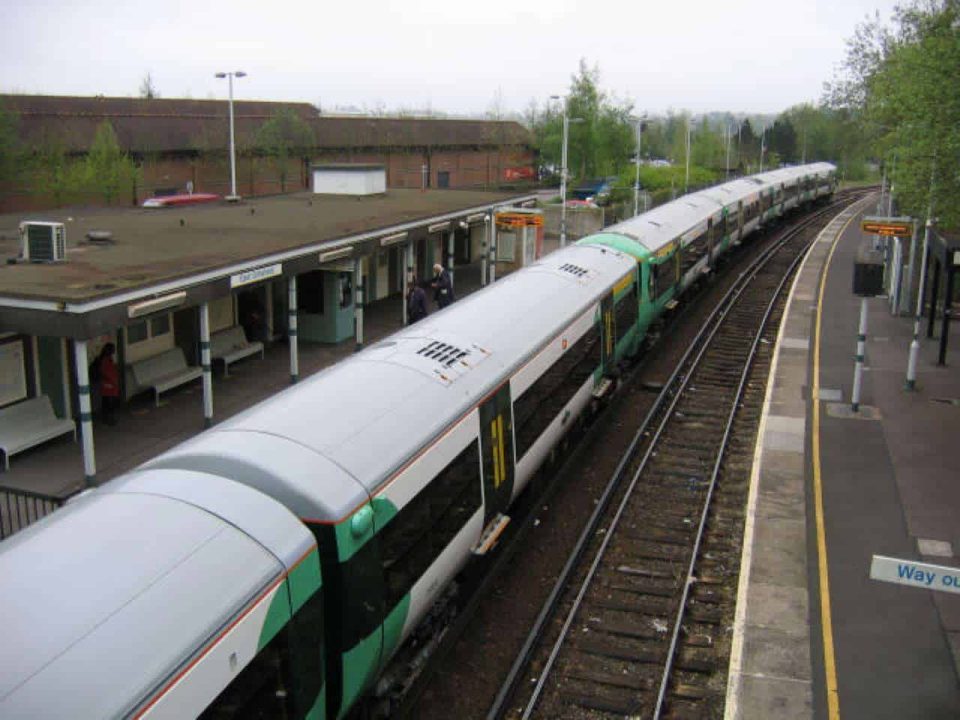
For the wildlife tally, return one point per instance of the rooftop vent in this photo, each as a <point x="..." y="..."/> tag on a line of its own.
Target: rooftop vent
<point x="44" y="242"/>
<point x="100" y="237"/>
<point x="443" y="353"/>
<point x="574" y="270"/>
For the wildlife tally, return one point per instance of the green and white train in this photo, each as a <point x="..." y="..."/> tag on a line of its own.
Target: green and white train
<point x="273" y="565"/>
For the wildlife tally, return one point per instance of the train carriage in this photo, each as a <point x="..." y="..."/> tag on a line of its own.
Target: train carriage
<point x="381" y="475"/>
<point x="147" y="597"/>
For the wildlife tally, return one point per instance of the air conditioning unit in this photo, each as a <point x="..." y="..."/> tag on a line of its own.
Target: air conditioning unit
<point x="43" y="241"/>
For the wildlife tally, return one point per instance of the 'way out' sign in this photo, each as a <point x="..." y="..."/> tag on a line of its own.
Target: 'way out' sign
<point x="915" y="574"/>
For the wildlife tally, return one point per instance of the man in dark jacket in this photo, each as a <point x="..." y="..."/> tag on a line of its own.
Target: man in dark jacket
<point x="416" y="303"/>
<point x="442" y="287"/>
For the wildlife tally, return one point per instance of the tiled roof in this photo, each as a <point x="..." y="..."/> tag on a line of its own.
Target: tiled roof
<point x="175" y="125"/>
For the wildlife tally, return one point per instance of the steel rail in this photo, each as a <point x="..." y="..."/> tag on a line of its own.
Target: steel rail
<point x="498" y="707"/>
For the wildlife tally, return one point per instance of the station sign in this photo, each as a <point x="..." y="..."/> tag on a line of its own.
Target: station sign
<point x="518" y="219"/>
<point x="256" y="275"/>
<point x="915" y="574"/>
<point x="901" y="227"/>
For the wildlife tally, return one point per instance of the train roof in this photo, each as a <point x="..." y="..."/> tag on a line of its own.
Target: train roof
<point x="107" y="598"/>
<point x="323" y="446"/>
<point x="663" y="224"/>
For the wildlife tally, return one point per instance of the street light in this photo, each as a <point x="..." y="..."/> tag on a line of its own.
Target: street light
<point x="686" y="177"/>
<point x="233" y="161"/>
<point x="763" y="137"/>
<point x="563" y="170"/>
<point x="636" y="184"/>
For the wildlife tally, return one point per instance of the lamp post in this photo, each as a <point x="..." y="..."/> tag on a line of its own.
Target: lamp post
<point x="636" y="184"/>
<point x="233" y="160"/>
<point x="729" y="134"/>
<point x="563" y="170"/>
<point x="763" y="136"/>
<point x="686" y="177"/>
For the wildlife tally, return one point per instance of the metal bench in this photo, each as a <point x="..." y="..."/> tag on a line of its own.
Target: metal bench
<point x="30" y="423"/>
<point x="164" y="371"/>
<point x="231" y="345"/>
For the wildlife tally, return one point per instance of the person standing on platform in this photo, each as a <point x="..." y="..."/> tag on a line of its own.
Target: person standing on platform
<point x="416" y="303"/>
<point x="109" y="381"/>
<point x="442" y="287"/>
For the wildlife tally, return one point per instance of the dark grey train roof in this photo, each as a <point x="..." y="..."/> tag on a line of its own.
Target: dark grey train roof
<point x="658" y="227"/>
<point x="323" y="445"/>
<point x="103" y="598"/>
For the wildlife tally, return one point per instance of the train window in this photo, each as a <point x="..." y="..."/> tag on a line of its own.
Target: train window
<point x="661" y="277"/>
<point x="307" y="648"/>
<point x="626" y="312"/>
<point x="263" y="687"/>
<point x="425" y="526"/>
<point x="540" y="403"/>
<point x="285" y="678"/>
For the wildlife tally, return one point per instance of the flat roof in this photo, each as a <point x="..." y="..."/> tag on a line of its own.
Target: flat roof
<point x="155" y="246"/>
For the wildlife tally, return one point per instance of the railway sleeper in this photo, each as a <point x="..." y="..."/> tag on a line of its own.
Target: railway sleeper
<point x="646" y="571"/>
<point x="648" y="549"/>
<point x="626" y="706"/>
<point x="696" y="661"/>
<point x="649" y="590"/>
<point x="705" y="615"/>
<point x="660" y="535"/>
<point x="695" y="444"/>
<point x="625" y="629"/>
<point x="641" y="656"/>
<point x="647" y="606"/>
<point x="626" y="681"/>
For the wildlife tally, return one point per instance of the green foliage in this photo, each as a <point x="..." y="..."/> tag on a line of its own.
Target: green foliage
<point x="11" y="151"/>
<point x="280" y="137"/>
<point x="900" y="83"/>
<point x="107" y="170"/>
<point x="601" y="131"/>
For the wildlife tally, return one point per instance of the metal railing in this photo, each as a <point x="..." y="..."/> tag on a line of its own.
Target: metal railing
<point x="20" y="508"/>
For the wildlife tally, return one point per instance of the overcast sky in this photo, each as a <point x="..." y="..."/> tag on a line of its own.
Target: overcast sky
<point x="454" y="56"/>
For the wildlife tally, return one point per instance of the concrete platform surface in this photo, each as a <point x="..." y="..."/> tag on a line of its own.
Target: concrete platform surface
<point x="815" y="636"/>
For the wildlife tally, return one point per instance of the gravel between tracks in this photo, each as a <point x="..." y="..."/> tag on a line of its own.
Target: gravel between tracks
<point x="471" y="675"/>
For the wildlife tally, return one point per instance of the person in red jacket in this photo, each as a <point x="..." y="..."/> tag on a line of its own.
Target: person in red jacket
<point x="109" y="379"/>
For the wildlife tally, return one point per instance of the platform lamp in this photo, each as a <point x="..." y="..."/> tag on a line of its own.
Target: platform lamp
<point x="636" y="184"/>
<point x="233" y="197"/>
<point x="563" y="168"/>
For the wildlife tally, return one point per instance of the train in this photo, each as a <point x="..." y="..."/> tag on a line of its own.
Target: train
<point x="272" y="565"/>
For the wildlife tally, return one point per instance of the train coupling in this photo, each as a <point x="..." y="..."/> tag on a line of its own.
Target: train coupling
<point x="603" y="388"/>
<point x="491" y="534"/>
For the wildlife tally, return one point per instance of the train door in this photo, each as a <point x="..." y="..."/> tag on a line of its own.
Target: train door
<point x="710" y="242"/>
<point x="496" y="435"/>
<point x="608" y="323"/>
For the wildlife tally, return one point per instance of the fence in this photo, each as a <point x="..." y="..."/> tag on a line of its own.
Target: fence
<point x="21" y="508"/>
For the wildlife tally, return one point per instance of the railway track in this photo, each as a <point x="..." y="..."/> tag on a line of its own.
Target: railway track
<point x="637" y="623"/>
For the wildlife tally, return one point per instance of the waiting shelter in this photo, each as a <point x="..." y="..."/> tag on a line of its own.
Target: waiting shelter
<point x="180" y="289"/>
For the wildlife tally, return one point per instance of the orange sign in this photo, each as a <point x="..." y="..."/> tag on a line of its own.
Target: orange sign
<point x="519" y="220"/>
<point x="887" y="227"/>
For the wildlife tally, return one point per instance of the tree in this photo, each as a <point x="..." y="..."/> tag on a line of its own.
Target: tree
<point x="147" y="89"/>
<point x="899" y="85"/>
<point x="280" y="137"/>
<point x="782" y="140"/>
<point x="107" y="169"/>
<point x="11" y="150"/>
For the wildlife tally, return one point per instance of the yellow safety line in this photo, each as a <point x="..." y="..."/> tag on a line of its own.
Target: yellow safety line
<point x="829" y="657"/>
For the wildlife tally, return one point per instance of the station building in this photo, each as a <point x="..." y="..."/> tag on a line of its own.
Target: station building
<point x="179" y="289"/>
<point x="178" y="143"/>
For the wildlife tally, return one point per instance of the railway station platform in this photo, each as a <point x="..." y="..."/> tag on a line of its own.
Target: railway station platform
<point x="814" y="635"/>
<point x="144" y="430"/>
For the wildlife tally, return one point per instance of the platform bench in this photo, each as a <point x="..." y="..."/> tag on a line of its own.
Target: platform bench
<point x="231" y="345"/>
<point x="30" y="423"/>
<point x="163" y="372"/>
